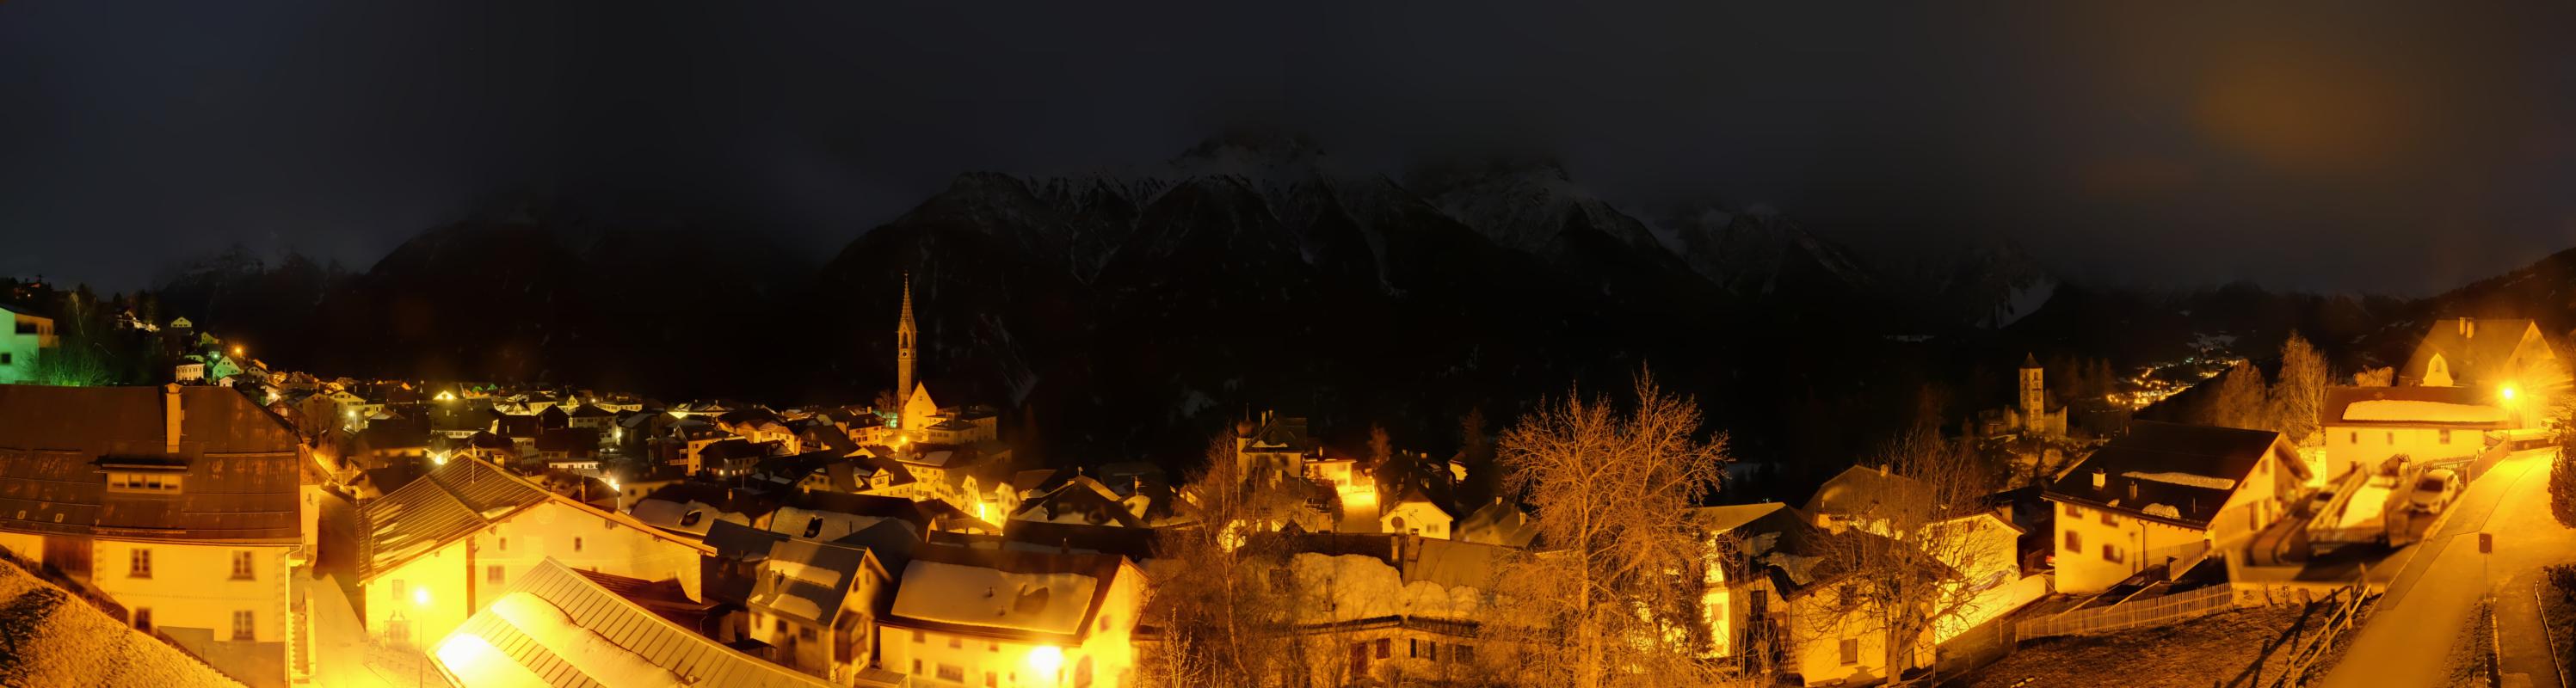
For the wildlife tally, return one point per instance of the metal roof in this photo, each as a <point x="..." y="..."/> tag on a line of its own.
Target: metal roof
<point x="694" y="658"/>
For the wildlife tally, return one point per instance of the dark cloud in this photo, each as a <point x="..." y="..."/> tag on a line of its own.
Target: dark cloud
<point x="2338" y="145"/>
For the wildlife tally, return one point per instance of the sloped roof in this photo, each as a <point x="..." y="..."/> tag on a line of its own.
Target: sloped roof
<point x="456" y="499"/>
<point x="2479" y="352"/>
<point x="1031" y="596"/>
<point x="239" y="464"/>
<point x="2174" y="473"/>
<point x="2458" y="407"/>
<point x="808" y="579"/>
<point x="1860" y="489"/>
<point x="558" y="658"/>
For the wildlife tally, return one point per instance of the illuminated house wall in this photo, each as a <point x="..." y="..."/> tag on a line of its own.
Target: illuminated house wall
<point x="942" y="650"/>
<point x="446" y="545"/>
<point x="25" y="340"/>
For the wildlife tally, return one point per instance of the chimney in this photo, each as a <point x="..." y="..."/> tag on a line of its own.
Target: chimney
<point x="2133" y="489"/>
<point x="172" y="411"/>
<point x="2098" y="478"/>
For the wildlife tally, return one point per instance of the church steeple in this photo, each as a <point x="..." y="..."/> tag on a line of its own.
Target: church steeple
<point x="904" y="351"/>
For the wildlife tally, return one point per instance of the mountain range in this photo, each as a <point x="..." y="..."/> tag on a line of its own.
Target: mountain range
<point x="1133" y="312"/>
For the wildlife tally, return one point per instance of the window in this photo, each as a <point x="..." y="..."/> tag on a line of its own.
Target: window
<point x="1431" y="650"/>
<point x="814" y="526"/>
<point x="2073" y="511"/>
<point x="1383" y="646"/>
<point x="952" y="673"/>
<point x="143" y="619"/>
<point x="505" y="543"/>
<point x="242" y="625"/>
<point x="2109" y="519"/>
<point x="2111" y="553"/>
<point x="805" y="634"/>
<point x="1851" y="651"/>
<point x="691" y="518"/>
<point x="916" y="667"/>
<point x="1462" y="653"/>
<point x="779" y="625"/>
<point x="2446" y="435"/>
<point x="955" y="642"/>
<point x="141" y="565"/>
<point x="242" y="566"/>
<point x="2074" y="543"/>
<point x="576" y="544"/>
<point x="991" y="679"/>
<point x="917" y="637"/>
<point x="5" y="358"/>
<point x="992" y="647"/>
<point x="2392" y="437"/>
<point x="492" y="574"/>
<point x="2353" y="437"/>
<point x="1413" y="647"/>
<point x="138" y="481"/>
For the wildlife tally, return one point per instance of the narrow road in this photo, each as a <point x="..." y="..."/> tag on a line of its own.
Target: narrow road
<point x="2408" y="637"/>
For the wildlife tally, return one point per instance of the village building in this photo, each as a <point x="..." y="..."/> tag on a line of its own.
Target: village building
<point x="444" y="547"/>
<point x="1413" y="511"/>
<point x="2029" y="415"/>
<point x="1769" y="599"/>
<point x="1983" y="547"/>
<point x="1273" y="447"/>
<point x="2166" y="497"/>
<point x="558" y="625"/>
<point x="28" y="338"/>
<point x="1007" y="618"/>
<point x="1391" y="609"/>
<point x="1498" y="523"/>
<point x="817" y="604"/>
<point x="2364" y="427"/>
<point x="2492" y="352"/>
<point x="191" y="507"/>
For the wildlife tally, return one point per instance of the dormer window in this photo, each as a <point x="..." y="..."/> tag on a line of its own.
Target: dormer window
<point x="813" y="526"/>
<point x="148" y="482"/>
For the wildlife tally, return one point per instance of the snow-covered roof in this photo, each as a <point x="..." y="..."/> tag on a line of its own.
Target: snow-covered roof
<point x="2428" y="411"/>
<point x="556" y="627"/>
<point x="2417" y="406"/>
<point x="1003" y="593"/>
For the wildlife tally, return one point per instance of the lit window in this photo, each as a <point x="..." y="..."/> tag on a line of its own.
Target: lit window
<point x="141" y="564"/>
<point x="242" y="566"/>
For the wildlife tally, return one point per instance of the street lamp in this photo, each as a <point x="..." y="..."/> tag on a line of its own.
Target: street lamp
<point x="1045" y="660"/>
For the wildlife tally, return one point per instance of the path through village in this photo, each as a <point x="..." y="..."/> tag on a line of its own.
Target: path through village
<point x="2406" y="640"/>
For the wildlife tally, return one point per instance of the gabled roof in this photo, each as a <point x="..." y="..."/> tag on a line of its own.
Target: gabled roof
<point x="455" y="500"/>
<point x="2173" y="473"/>
<point x="2475" y="349"/>
<point x="558" y="626"/>
<point x="1080" y="496"/>
<point x="808" y="579"/>
<point x="238" y="464"/>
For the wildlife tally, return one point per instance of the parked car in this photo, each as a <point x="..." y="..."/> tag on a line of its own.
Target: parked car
<point x="2434" y="490"/>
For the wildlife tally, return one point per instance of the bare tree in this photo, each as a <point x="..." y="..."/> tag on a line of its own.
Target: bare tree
<point x="2237" y="401"/>
<point x="1612" y="599"/>
<point x="2299" y="391"/>
<point x="1222" y="603"/>
<point x="1916" y="556"/>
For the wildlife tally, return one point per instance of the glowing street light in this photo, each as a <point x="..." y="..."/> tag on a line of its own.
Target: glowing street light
<point x="1045" y="660"/>
<point x="420" y="597"/>
<point x="2508" y="393"/>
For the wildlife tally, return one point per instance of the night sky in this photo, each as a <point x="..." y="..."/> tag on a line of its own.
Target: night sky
<point x="2333" y="146"/>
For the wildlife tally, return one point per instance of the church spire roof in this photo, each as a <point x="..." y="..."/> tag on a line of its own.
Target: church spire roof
<point x="906" y="324"/>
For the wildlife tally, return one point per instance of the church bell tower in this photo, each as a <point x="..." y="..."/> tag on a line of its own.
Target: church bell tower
<point x="904" y="351"/>
<point x="2033" y="397"/>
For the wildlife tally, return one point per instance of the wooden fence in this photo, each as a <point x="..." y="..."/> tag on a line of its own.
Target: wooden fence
<point x="2125" y="615"/>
